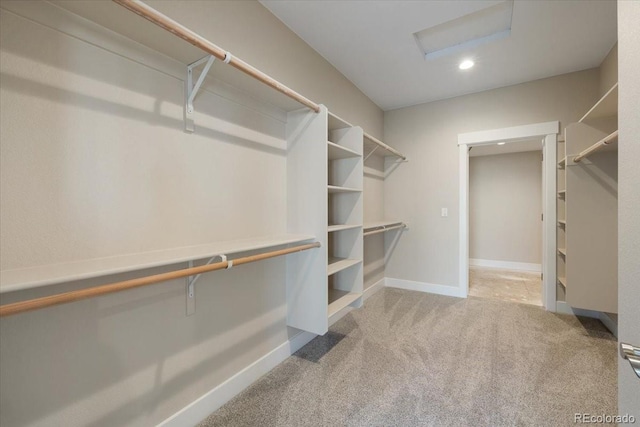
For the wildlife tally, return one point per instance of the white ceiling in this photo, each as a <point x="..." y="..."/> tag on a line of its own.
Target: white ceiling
<point x="372" y="44"/>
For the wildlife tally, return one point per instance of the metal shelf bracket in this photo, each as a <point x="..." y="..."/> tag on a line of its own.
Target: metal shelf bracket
<point x="191" y="284"/>
<point x="191" y="90"/>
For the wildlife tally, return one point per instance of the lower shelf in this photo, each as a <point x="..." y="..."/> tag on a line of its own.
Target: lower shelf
<point x="339" y="264"/>
<point x="340" y="299"/>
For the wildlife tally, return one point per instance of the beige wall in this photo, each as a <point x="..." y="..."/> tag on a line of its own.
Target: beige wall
<point x="94" y="162"/>
<point x="609" y="70"/>
<point x="427" y="135"/>
<point x="629" y="201"/>
<point x="505" y="203"/>
<point x="374" y="262"/>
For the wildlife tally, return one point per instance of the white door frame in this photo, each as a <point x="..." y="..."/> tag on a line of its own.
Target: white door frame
<point x="549" y="131"/>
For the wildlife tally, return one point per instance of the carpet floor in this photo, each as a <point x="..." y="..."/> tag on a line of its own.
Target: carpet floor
<point x="414" y="359"/>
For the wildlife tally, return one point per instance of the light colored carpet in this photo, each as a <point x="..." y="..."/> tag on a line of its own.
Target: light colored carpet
<point x="414" y="359"/>
<point x="505" y="285"/>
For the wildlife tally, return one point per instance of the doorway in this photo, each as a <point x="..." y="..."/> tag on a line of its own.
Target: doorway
<point x="547" y="132"/>
<point x="505" y="224"/>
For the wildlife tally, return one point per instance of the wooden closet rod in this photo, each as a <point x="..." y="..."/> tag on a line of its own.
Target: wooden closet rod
<point x="383" y="229"/>
<point x="385" y="146"/>
<point x="595" y="147"/>
<point x="37" y="303"/>
<point x="186" y="34"/>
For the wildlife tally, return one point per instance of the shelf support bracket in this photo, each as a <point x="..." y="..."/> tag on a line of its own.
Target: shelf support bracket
<point x="191" y="284"/>
<point x="191" y="90"/>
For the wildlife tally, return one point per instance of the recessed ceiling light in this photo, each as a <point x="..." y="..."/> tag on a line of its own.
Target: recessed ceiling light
<point x="501" y="143"/>
<point x="466" y="64"/>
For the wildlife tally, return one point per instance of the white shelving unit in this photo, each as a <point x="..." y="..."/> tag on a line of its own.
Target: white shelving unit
<point x="561" y="213"/>
<point x="325" y="170"/>
<point x="345" y="214"/>
<point x="587" y="237"/>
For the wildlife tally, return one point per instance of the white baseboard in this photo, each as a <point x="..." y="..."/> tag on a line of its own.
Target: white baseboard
<point x="451" y="291"/>
<point x="373" y="289"/>
<point x="198" y="410"/>
<point x="607" y="321"/>
<point x="507" y="265"/>
<point x="611" y="325"/>
<point x="563" y="308"/>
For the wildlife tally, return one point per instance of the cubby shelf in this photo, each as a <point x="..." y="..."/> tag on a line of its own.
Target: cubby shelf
<point x="334" y="228"/>
<point x="336" y="152"/>
<point x="562" y="251"/>
<point x="339" y="300"/>
<point x="562" y="280"/>
<point x="336" y="189"/>
<point x="338" y="264"/>
<point x="562" y="194"/>
<point x="562" y="223"/>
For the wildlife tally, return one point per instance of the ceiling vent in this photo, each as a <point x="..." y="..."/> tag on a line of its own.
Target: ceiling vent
<point x="486" y="25"/>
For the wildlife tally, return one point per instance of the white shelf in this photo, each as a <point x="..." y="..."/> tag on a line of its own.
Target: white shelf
<point x="339" y="264"/>
<point x="333" y="228"/>
<point x="336" y="122"/>
<point x="339" y="152"/>
<point x="562" y="281"/>
<point x="607" y="106"/>
<point x="562" y="194"/>
<point x="562" y="222"/>
<point x="25" y="278"/>
<point x="562" y="251"/>
<point x="340" y="299"/>
<point x="127" y="24"/>
<point x="336" y="189"/>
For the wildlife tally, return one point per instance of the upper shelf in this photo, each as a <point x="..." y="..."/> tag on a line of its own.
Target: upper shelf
<point x="336" y="122"/>
<point x="607" y="106"/>
<point x="128" y="25"/>
<point x="339" y="152"/>
<point x="25" y="278"/>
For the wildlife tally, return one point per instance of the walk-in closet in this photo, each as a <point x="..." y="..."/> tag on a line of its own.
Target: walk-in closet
<point x="287" y="213"/>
